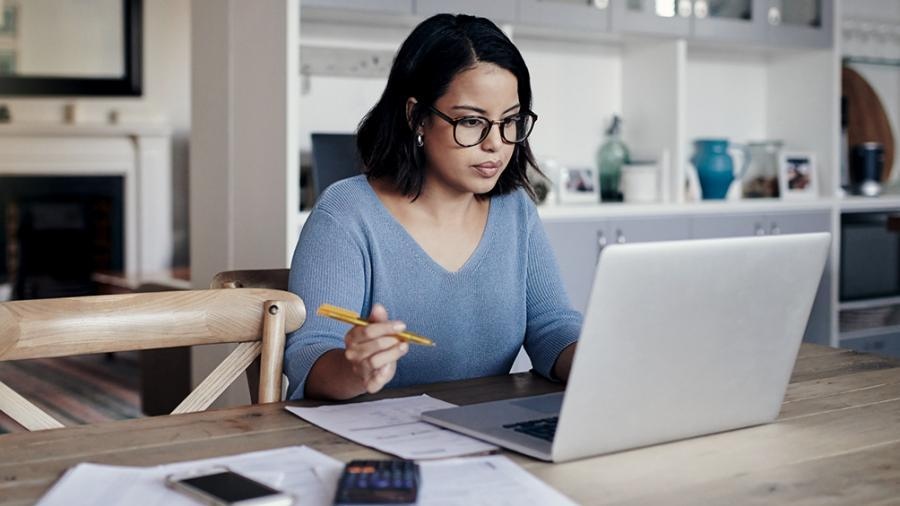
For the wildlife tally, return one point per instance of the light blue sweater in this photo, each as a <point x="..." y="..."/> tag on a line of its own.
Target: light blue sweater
<point x="353" y="253"/>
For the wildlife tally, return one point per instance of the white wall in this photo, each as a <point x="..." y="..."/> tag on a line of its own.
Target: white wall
<point x="576" y="88"/>
<point x="726" y="96"/>
<point x="166" y="96"/>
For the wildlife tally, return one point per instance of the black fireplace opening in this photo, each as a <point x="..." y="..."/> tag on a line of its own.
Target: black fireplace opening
<point x="58" y="231"/>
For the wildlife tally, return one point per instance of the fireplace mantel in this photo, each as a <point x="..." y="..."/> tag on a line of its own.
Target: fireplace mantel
<point x="140" y="154"/>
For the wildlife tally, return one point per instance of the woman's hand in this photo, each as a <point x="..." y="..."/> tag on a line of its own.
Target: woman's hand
<point x="373" y="350"/>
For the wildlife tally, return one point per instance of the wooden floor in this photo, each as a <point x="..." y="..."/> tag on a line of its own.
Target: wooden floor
<point x="76" y="390"/>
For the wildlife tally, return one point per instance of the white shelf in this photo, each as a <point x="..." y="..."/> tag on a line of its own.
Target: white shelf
<point x="868" y="303"/>
<point x="694" y="208"/>
<point x="870" y="203"/>
<point x="872" y="332"/>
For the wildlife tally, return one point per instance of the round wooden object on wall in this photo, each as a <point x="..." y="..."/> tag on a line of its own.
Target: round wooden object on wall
<point x="866" y="119"/>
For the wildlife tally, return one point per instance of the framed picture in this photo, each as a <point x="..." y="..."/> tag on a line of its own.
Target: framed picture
<point x="797" y="175"/>
<point x="9" y="16"/>
<point x="578" y="186"/>
<point x="7" y="62"/>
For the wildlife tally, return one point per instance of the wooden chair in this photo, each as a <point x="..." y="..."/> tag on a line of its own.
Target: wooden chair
<point x="258" y="319"/>
<point x="276" y="279"/>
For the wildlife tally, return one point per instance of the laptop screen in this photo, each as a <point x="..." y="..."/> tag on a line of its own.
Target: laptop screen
<point x="334" y="157"/>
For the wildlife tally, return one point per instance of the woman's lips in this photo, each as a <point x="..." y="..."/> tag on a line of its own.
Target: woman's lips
<point x="487" y="169"/>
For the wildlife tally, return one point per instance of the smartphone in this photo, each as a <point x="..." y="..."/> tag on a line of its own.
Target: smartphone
<point x="220" y="486"/>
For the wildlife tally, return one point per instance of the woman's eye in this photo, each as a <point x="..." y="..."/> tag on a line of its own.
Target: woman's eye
<point x="470" y="122"/>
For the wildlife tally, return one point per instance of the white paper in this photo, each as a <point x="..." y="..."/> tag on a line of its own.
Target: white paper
<point x="309" y="475"/>
<point x="493" y="480"/>
<point x="393" y="426"/>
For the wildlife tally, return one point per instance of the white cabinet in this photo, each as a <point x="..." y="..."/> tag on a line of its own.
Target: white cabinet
<point x="779" y="23"/>
<point x="578" y="243"/>
<point x="653" y="17"/>
<point x="370" y="6"/>
<point x="498" y="11"/>
<point x="818" y="329"/>
<point x="584" y="15"/>
<point x="800" y="23"/>
<point x="747" y="224"/>
<point x="730" y="20"/>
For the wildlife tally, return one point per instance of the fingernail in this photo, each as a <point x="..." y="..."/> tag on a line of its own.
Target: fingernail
<point x="404" y="347"/>
<point x="399" y="327"/>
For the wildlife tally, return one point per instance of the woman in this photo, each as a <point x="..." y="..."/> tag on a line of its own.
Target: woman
<point x="440" y="230"/>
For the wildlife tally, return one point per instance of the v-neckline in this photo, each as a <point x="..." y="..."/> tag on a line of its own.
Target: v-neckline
<point x="470" y="264"/>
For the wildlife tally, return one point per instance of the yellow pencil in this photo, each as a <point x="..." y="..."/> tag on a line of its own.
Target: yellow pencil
<point x="347" y="316"/>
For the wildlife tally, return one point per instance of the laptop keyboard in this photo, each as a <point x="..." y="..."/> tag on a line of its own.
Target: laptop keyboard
<point x="544" y="428"/>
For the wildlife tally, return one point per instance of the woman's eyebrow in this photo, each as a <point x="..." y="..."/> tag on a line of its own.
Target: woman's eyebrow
<point x="480" y="110"/>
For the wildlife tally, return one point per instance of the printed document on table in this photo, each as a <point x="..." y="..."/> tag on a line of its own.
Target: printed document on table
<point x="393" y="426"/>
<point x="307" y="474"/>
<point x="493" y="480"/>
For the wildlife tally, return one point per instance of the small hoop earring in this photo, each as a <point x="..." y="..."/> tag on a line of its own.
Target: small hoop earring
<point x="419" y="140"/>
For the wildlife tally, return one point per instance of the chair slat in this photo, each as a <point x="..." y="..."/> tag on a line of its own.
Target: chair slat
<point x="272" y="354"/>
<point x="24" y="412"/>
<point x="110" y="323"/>
<point x="220" y="378"/>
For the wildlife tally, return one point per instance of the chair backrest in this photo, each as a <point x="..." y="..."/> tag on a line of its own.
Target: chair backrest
<point x="258" y="319"/>
<point x="276" y="279"/>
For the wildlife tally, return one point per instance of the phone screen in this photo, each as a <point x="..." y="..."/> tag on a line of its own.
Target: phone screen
<point x="229" y="486"/>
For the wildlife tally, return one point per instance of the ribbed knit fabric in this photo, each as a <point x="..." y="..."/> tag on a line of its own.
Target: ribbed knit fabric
<point x="353" y="253"/>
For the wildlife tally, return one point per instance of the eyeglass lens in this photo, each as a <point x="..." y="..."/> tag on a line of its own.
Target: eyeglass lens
<point x="471" y="131"/>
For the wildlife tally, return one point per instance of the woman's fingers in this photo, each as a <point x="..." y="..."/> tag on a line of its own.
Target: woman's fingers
<point x="380" y="377"/>
<point x="373" y="350"/>
<point x="378" y="313"/>
<point x="377" y="369"/>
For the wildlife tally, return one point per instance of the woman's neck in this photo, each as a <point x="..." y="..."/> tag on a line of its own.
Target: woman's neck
<point x="437" y="205"/>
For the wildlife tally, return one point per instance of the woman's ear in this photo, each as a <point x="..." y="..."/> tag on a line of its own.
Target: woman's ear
<point x="411" y="103"/>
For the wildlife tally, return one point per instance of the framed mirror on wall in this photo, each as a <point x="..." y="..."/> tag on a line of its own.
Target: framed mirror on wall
<point x="70" y="47"/>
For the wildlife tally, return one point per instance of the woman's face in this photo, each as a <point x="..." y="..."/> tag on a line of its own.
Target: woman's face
<point x="484" y="90"/>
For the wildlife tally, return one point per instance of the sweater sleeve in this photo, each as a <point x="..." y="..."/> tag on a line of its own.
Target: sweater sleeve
<point x="552" y="323"/>
<point x="328" y="266"/>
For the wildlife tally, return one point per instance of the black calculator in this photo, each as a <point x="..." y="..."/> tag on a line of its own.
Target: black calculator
<point x="378" y="482"/>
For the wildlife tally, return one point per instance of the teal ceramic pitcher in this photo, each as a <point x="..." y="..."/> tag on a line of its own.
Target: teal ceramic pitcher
<point x="715" y="168"/>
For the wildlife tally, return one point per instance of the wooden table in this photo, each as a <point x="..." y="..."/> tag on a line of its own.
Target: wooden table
<point x="837" y="441"/>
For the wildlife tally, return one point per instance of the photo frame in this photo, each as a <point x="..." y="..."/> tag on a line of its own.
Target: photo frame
<point x="797" y="175"/>
<point x="9" y="19"/>
<point x="578" y="186"/>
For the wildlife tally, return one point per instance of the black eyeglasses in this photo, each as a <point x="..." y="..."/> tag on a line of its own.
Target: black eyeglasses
<point x="469" y="131"/>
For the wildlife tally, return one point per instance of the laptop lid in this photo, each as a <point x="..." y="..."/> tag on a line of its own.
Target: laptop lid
<point x="686" y="338"/>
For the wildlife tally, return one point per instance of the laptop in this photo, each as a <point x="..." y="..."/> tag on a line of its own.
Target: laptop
<point x="680" y="339"/>
<point x="334" y="157"/>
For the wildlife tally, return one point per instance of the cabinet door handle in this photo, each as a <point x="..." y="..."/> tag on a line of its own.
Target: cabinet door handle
<point x="684" y="8"/>
<point x="701" y="9"/>
<point x="620" y="237"/>
<point x="601" y="4"/>
<point x="774" y="15"/>
<point x="774" y="229"/>
<point x="760" y="230"/>
<point x="601" y="242"/>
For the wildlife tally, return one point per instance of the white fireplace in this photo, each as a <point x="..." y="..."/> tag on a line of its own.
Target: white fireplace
<point x="140" y="154"/>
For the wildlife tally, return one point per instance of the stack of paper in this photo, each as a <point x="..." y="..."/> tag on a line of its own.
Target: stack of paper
<point x="307" y="474"/>
<point x="393" y="426"/>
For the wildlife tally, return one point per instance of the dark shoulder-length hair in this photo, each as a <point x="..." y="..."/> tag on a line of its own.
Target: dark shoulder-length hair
<point x="436" y="51"/>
